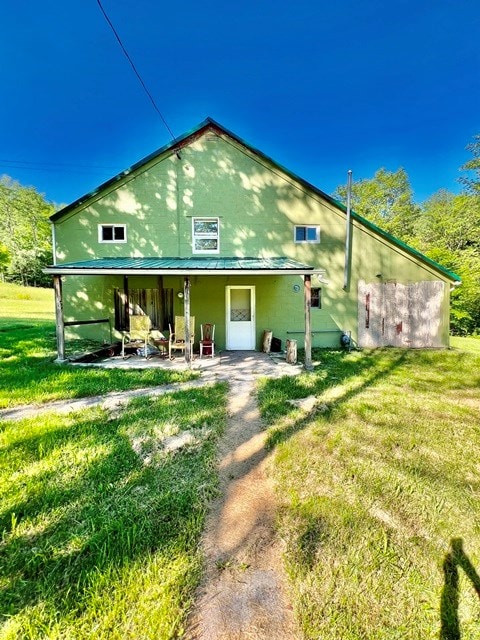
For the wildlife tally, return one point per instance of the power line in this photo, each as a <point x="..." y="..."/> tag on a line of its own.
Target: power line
<point x="39" y="164"/>
<point x="135" y="69"/>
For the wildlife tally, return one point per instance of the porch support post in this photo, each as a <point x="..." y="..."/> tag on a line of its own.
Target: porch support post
<point x="186" y="300"/>
<point x="57" y="285"/>
<point x="307" y="289"/>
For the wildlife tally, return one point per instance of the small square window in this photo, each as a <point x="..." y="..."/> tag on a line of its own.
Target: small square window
<point x="112" y="233"/>
<point x="205" y="235"/>
<point x="307" y="233"/>
<point x="316" y="298"/>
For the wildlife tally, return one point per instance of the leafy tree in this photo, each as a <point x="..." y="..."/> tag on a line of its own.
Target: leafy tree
<point x="473" y="165"/>
<point x="4" y="260"/>
<point x="25" y="233"/>
<point x="386" y="200"/>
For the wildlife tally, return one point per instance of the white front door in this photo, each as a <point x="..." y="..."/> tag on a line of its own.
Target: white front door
<point x="240" y="321"/>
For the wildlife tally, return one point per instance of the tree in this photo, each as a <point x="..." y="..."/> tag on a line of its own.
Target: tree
<point x="25" y="232"/>
<point x="386" y="200"/>
<point x="473" y="165"/>
<point x="448" y="231"/>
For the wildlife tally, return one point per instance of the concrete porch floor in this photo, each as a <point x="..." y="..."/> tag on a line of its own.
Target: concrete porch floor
<point x="238" y="364"/>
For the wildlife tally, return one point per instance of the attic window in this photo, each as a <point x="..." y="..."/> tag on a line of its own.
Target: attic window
<point x="205" y="235"/>
<point x="307" y="233"/>
<point x="112" y="232"/>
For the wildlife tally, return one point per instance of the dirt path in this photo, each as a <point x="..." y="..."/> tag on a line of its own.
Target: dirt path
<point x="243" y="594"/>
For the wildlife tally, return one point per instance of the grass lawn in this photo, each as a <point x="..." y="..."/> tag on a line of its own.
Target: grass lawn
<point x="28" y="349"/>
<point x="380" y="493"/>
<point x="100" y="525"/>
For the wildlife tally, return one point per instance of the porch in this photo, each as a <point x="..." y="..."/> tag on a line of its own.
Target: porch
<point x="239" y="365"/>
<point x="251" y="284"/>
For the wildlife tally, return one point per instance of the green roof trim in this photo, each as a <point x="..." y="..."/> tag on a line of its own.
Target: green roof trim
<point x="183" y="265"/>
<point x="175" y="147"/>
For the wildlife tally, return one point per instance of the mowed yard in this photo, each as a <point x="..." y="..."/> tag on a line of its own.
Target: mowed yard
<point x="378" y="491"/>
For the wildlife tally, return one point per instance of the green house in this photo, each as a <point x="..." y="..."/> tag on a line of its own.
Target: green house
<point x="211" y="227"/>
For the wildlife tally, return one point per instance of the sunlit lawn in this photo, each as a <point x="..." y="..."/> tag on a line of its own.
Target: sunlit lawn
<point x="380" y="493"/>
<point x="100" y="524"/>
<point x="28" y="350"/>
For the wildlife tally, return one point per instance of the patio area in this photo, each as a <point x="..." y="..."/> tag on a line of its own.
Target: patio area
<point x="226" y="364"/>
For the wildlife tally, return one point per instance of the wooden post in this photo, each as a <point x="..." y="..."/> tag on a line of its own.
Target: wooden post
<point x="267" y="341"/>
<point x="308" y="325"/>
<point x="186" y="300"/>
<point x="127" y="303"/>
<point x="291" y="356"/>
<point x="57" y="285"/>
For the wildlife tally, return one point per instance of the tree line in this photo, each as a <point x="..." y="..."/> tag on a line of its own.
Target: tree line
<point x="25" y="234"/>
<point x="446" y="228"/>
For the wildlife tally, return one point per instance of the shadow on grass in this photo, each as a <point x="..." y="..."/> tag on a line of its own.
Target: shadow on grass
<point x="456" y="558"/>
<point x="73" y="525"/>
<point x="28" y="373"/>
<point x="337" y="369"/>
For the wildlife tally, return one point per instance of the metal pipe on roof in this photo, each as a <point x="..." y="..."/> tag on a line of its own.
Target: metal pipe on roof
<point x="348" y="234"/>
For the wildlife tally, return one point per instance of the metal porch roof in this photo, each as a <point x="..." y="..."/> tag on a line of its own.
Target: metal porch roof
<point x="182" y="266"/>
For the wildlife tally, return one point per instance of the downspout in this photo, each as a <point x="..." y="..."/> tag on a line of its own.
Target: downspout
<point x="348" y="234"/>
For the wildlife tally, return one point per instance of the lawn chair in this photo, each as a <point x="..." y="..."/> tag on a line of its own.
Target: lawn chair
<point x="177" y="339"/>
<point x="207" y="339"/>
<point x="139" y="334"/>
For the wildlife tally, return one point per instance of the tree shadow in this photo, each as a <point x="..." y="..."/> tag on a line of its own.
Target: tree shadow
<point x="456" y="558"/>
<point x="116" y="510"/>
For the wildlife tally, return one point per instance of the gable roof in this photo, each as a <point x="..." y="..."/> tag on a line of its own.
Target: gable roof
<point x="209" y="124"/>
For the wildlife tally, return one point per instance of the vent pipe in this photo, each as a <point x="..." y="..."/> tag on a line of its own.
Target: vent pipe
<point x="348" y="234"/>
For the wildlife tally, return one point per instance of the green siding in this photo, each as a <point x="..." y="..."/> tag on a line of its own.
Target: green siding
<point x="258" y="205"/>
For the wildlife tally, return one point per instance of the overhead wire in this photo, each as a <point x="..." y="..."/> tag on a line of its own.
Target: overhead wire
<point x="135" y="70"/>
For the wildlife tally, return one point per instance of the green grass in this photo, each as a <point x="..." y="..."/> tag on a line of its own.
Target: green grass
<point x="25" y="304"/>
<point x="28" y="350"/>
<point x="377" y="487"/>
<point x="100" y="525"/>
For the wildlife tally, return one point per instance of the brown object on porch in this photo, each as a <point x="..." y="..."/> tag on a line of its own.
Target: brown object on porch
<point x="177" y="339"/>
<point x="267" y="341"/>
<point x="207" y="339"/>
<point x="139" y="334"/>
<point x="291" y="356"/>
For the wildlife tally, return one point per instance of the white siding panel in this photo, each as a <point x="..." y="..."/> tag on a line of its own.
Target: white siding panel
<point x="398" y="315"/>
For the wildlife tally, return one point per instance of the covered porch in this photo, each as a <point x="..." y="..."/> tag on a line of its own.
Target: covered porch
<point x="197" y="279"/>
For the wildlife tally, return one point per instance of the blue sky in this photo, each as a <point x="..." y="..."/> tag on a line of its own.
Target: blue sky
<point x="321" y="87"/>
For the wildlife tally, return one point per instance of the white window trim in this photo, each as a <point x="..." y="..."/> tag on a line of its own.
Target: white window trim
<point x="306" y="226"/>
<point x="113" y="241"/>
<point x="216" y="236"/>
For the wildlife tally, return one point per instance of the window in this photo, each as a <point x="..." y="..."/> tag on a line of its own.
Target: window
<point x="205" y="235"/>
<point x="316" y="298"/>
<point x="307" y="233"/>
<point x="156" y="303"/>
<point x="112" y="232"/>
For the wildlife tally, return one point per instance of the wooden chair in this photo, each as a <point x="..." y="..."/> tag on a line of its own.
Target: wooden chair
<point x="207" y="339"/>
<point x="177" y="336"/>
<point x="138" y="335"/>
